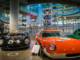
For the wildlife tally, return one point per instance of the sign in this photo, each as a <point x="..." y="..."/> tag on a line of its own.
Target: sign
<point x="35" y="49"/>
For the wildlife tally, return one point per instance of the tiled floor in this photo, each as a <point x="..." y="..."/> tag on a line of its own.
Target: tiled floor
<point x="25" y="54"/>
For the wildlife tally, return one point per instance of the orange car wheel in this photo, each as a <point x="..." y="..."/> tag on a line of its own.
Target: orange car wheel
<point x="41" y="52"/>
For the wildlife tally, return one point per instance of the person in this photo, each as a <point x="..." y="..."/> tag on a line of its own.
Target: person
<point x="30" y="31"/>
<point x="1" y="28"/>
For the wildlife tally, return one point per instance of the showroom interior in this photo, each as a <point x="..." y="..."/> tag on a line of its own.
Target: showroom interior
<point x="32" y="16"/>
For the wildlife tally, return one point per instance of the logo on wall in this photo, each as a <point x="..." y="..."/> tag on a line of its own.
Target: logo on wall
<point x="33" y="20"/>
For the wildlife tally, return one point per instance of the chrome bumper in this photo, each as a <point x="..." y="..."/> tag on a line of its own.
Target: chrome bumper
<point x="58" y="56"/>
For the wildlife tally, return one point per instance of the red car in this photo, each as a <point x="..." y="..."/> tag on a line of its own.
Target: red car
<point x="55" y="44"/>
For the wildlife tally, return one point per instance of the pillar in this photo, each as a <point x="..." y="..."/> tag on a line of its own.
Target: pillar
<point x="63" y="14"/>
<point x="39" y="15"/>
<point x="63" y="17"/>
<point x="14" y="15"/>
<point x="57" y="18"/>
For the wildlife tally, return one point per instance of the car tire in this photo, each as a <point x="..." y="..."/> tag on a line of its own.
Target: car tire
<point x="36" y="43"/>
<point x="41" y="52"/>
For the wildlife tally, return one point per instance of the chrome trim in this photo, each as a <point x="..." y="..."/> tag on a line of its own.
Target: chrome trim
<point x="57" y="56"/>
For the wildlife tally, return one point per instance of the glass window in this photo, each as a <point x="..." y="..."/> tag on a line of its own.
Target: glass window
<point x="79" y="32"/>
<point x="52" y="34"/>
<point x="39" y="35"/>
<point x="75" y="33"/>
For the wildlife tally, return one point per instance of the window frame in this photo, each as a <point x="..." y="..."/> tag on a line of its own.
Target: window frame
<point x="78" y="31"/>
<point x="50" y="37"/>
<point x="39" y="35"/>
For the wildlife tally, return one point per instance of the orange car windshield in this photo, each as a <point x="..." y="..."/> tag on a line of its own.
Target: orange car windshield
<point x="52" y="34"/>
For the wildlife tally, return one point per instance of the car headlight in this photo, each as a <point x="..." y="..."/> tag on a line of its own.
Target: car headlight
<point x="10" y="42"/>
<point x="52" y="47"/>
<point x="18" y="41"/>
<point x="1" y="42"/>
<point x="26" y="41"/>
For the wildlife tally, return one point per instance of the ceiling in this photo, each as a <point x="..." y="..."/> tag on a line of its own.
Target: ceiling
<point x="70" y="2"/>
<point x="5" y="4"/>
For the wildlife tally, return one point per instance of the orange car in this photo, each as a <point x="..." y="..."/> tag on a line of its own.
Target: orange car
<point x="55" y="44"/>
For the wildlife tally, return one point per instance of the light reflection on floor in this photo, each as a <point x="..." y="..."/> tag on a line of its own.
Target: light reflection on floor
<point x="25" y="54"/>
<point x="33" y="42"/>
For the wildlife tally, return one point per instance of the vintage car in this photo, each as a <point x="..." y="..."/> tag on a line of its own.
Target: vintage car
<point x="15" y="41"/>
<point x="55" y="44"/>
<point x="76" y="34"/>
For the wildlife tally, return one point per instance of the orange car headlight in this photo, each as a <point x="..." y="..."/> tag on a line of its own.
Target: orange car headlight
<point x="52" y="47"/>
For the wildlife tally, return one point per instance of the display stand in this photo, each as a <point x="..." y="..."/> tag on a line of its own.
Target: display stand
<point x="23" y="24"/>
<point x="49" y="15"/>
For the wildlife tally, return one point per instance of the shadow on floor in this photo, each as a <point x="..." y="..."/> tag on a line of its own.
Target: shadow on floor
<point x="22" y="49"/>
<point x="47" y="58"/>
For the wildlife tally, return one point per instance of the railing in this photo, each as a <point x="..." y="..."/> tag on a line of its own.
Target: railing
<point x="5" y="19"/>
<point x="28" y="10"/>
<point x="70" y="11"/>
<point x="67" y="29"/>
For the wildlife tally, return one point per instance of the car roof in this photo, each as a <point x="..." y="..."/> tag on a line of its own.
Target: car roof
<point x="16" y="33"/>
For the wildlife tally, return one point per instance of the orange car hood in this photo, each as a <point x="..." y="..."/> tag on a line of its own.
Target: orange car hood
<point x="59" y="40"/>
<point x="64" y="44"/>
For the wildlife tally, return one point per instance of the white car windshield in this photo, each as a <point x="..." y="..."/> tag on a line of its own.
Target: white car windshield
<point x="52" y="34"/>
<point x="16" y="35"/>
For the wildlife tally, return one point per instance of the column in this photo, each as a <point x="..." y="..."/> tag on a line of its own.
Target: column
<point x="14" y="15"/>
<point x="63" y="17"/>
<point x="57" y="18"/>
<point x="39" y="15"/>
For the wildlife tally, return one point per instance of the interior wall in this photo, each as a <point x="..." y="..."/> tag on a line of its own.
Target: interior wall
<point x="38" y="19"/>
